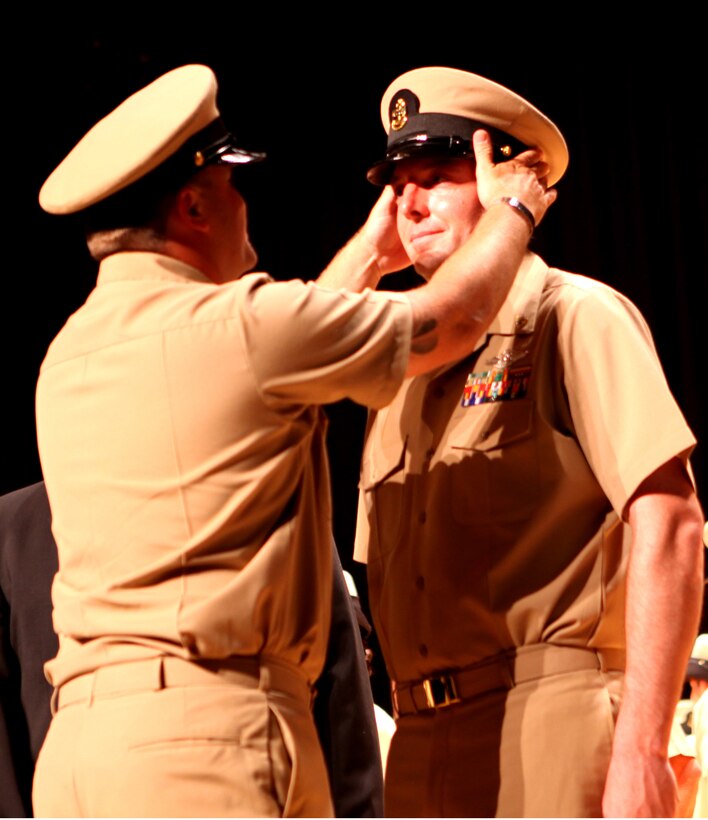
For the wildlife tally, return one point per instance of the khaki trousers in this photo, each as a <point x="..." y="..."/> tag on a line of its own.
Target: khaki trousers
<point x="167" y="738"/>
<point x="540" y="749"/>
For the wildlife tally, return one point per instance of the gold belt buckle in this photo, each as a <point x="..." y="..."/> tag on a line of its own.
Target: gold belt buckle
<point x="440" y="692"/>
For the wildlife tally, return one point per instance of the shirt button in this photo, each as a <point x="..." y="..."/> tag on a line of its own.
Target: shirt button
<point x="422" y="516"/>
<point x="420" y="582"/>
<point x="423" y="649"/>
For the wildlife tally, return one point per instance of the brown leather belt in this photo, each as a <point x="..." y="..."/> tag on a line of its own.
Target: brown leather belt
<point x="503" y="671"/>
<point x="167" y="671"/>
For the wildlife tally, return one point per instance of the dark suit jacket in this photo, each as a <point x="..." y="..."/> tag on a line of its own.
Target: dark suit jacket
<point x="28" y="562"/>
<point x="343" y="707"/>
<point x="344" y="713"/>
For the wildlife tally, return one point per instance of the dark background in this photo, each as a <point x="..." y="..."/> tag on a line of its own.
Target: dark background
<point x="305" y="88"/>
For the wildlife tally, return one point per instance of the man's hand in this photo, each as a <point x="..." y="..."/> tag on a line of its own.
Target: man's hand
<point x="523" y="177"/>
<point x="373" y="251"/>
<point x="381" y="234"/>
<point x="639" y="786"/>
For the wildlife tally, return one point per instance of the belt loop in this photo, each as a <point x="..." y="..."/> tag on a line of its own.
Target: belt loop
<point x="507" y="671"/>
<point x="394" y="700"/>
<point x="54" y="701"/>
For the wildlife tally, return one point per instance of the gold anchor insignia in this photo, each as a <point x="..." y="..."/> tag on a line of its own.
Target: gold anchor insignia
<point x="399" y="115"/>
<point x="506" y="150"/>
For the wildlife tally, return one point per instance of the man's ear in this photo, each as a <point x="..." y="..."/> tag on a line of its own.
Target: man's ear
<point x="190" y="208"/>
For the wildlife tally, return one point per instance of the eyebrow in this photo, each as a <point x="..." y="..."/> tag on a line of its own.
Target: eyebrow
<point x="430" y="165"/>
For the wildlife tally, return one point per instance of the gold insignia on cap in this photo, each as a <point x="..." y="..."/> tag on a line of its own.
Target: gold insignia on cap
<point x="399" y="115"/>
<point x="506" y="150"/>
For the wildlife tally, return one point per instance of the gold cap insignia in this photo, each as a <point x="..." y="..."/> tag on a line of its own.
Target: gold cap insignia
<point x="399" y="115"/>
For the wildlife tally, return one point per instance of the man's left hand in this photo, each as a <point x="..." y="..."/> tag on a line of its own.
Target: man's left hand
<point x="639" y="786"/>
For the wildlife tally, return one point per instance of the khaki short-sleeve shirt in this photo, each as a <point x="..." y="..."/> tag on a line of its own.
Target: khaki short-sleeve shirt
<point x="182" y="443"/>
<point x="492" y="491"/>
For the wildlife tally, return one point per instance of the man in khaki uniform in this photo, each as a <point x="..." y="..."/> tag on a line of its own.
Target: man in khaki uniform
<point x="182" y="444"/>
<point x="346" y="727"/>
<point x="526" y="513"/>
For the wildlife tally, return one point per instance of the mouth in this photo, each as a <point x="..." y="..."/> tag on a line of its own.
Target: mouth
<point x="419" y="237"/>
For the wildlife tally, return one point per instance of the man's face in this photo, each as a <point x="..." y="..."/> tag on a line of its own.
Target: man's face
<point x="438" y="208"/>
<point x="229" y="224"/>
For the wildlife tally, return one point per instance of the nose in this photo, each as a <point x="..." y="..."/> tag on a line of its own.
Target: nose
<point x="413" y="202"/>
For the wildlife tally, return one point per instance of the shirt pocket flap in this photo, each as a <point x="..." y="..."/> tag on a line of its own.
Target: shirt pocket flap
<point x="504" y="424"/>
<point x="382" y="461"/>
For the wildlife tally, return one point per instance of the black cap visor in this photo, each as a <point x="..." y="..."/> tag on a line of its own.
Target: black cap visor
<point x="214" y="145"/>
<point x="439" y="135"/>
<point x="419" y="147"/>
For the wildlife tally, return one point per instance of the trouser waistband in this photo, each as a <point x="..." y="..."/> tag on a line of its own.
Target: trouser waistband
<point x="503" y="671"/>
<point x="168" y="671"/>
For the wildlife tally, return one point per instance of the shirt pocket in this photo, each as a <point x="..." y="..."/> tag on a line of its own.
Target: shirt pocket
<point x="387" y="488"/>
<point x="497" y="466"/>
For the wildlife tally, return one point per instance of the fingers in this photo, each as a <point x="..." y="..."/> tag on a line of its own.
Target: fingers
<point x="529" y="157"/>
<point x="385" y="205"/>
<point x="542" y="169"/>
<point x="387" y="196"/>
<point x="482" y="145"/>
<point x="525" y="177"/>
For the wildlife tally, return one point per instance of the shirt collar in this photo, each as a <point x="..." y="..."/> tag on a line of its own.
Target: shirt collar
<point x="519" y="311"/>
<point x="132" y="265"/>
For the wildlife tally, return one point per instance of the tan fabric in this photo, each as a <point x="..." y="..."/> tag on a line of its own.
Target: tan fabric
<point x="156" y="731"/>
<point x="508" y="754"/>
<point x="184" y="457"/>
<point x="498" y="525"/>
<point x="182" y="444"/>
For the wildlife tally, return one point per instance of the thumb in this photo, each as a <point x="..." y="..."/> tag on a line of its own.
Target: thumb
<point x="482" y="144"/>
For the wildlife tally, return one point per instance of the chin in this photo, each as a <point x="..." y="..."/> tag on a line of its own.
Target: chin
<point x="426" y="267"/>
<point x="247" y="264"/>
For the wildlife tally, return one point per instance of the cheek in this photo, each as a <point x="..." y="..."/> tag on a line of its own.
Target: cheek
<point x="460" y="212"/>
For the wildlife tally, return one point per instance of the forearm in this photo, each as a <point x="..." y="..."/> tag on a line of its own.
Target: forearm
<point x="664" y="592"/>
<point x="355" y="267"/>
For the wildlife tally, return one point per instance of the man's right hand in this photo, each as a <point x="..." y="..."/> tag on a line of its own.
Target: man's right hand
<point x="381" y="234"/>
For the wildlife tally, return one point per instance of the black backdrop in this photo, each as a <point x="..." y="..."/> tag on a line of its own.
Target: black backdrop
<point x="305" y="87"/>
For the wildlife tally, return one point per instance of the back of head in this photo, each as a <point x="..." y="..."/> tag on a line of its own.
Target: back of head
<point x="434" y="111"/>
